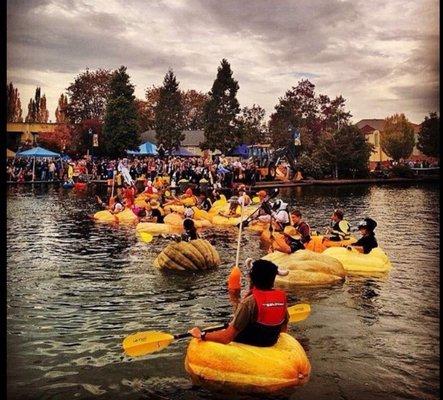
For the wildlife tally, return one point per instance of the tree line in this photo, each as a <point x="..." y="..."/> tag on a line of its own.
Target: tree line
<point x="102" y="102"/>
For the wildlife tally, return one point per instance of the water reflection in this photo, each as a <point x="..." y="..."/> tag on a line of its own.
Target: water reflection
<point x="363" y="296"/>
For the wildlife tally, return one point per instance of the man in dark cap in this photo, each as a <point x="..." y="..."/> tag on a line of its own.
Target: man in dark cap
<point x="261" y="315"/>
<point x="368" y="241"/>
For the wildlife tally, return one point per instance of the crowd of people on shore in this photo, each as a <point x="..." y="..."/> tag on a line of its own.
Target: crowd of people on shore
<point x="219" y="172"/>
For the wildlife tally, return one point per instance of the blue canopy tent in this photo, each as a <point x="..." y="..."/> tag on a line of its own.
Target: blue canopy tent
<point x="183" y="152"/>
<point x="65" y="157"/>
<point x="239" y="151"/>
<point x="145" y="149"/>
<point x="37" y="152"/>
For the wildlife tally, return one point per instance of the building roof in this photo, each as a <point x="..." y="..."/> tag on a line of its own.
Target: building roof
<point x="192" y="138"/>
<point x="375" y="124"/>
<point x="367" y="126"/>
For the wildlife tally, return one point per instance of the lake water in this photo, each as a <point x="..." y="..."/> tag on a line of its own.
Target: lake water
<point x="75" y="289"/>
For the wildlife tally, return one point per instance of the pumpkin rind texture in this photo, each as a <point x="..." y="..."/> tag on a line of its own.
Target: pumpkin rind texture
<point x="248" y="368"/>
<point x="194" y="255"/>
<point x="307" y="268"/>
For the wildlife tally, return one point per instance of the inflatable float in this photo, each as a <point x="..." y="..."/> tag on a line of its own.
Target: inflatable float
<point x="246" y="368"/>
<point x="194" y="255"/>
<point x="354" y="262"/>
<point x="307" y="268"/>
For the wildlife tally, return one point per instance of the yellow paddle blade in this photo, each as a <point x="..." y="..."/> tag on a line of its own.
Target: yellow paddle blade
<point x="299" y="312"/>
<point x="256" y="200"/>
<point x="146" y="237"/>
<point x="147" y="342"/>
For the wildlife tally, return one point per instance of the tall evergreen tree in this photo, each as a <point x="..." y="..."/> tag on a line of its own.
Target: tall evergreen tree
<point x="43" y="113"/>
<point x="169" y="116"/>
<point x="220" y="114"/>
<point x="429" y="136"/>
<point x="120" y="129"/>
<point x="31" y="117"/>
<point x="37" y="110"/>
<point x="14" y="110"/>
<point x="60" y="112"/>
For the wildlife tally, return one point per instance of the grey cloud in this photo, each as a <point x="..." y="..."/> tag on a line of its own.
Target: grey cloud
<point x="21" y="80"/>
<point x="65" y="45"/>
<point x="271" y="45"/>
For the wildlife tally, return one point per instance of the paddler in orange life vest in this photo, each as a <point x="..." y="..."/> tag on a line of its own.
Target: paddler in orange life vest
<point x="260" y="316"/>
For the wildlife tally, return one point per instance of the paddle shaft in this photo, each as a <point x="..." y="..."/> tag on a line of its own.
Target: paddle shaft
<point x="211" y="329"/>
<point x="237" y="256"/>
<point x="269" y="197"/>
<point x="113" y="183"/>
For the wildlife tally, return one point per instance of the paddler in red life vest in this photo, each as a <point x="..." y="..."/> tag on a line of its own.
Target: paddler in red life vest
<point x="260" y="316"/>
<point x="150" y="189"/>
<point x="129" y="195"/>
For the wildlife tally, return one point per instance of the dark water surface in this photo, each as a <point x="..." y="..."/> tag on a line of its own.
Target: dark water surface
<point x="75" y="289"/>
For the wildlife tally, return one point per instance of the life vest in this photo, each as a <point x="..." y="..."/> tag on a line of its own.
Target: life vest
<point x="341" y="230"/>
<point x="271" y="306"/>
<point x="271" y="312"/>
<point x="149" y="189"/>
<point x="303" y="223"/>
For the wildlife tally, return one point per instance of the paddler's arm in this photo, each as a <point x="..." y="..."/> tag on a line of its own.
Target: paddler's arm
<point x="244" y="314"/>
<point x="360" y="249"/>
<point x="223" y="336"/>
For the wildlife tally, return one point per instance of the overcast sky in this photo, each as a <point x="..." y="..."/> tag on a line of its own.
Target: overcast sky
<point x="382" y="56"/>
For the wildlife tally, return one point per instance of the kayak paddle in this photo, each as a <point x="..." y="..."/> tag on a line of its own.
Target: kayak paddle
<point x="147" y="342"/>
<point x="142" y="343"/>
<point x="269" y="197"/>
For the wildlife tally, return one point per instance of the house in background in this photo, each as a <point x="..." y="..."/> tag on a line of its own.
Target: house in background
<point x="191" y="142"/>
<point x="19" y="133"/>
<point x="372" y="129"/>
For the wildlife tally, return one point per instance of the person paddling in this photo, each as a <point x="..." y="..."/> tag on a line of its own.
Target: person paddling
<point x="368" y="241"/>
<point x="260" y="316"/>
<point x="190" y="232"/>
<point x="293" y="243"/>
<point x="340" y="229"/>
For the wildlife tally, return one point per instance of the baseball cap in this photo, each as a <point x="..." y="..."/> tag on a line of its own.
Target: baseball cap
<point x="368" y="223"/>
